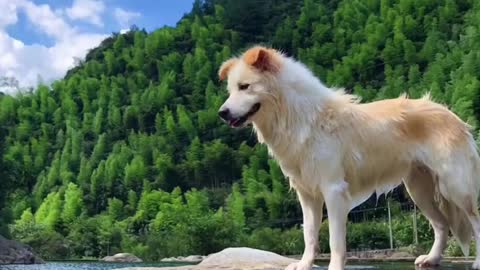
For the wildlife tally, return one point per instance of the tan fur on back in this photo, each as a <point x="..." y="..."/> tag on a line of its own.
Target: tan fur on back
<point x="418" y="120"/>
<point x="382" y="139"/>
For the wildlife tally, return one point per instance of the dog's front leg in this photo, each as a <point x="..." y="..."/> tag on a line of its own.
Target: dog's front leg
<point x="312" y="209"/>
<point x="338" y="202"/>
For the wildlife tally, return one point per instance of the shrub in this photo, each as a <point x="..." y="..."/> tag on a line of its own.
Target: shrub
<point x="453" y="248"/>
<point x="291" y="241"/>
<point x="402" y="227"/>
<point x="286" y="242"/>
<point x="44" y="240"/>
<point x="368" y="235"/>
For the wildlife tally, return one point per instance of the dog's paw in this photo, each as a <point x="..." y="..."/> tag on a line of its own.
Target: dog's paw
<point x="299" y="266"/>
<point x="476" y="264"/>
<point x="428" y="261"/>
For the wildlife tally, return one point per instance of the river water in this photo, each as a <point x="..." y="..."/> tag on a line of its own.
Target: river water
<point x="110" y="266"/>
<point x="83" y="266"/>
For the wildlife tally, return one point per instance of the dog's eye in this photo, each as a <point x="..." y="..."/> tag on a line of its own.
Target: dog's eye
<point x="243" y="86"/>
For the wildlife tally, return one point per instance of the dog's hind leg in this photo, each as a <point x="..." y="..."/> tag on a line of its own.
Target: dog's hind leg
<point x="465" y="213"/>
<point x="459" y="185"/>
<point x="421" y="187"/>
<point x="312" y="209"/>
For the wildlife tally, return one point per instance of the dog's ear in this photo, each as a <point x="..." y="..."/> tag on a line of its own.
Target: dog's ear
<point x="262" y="58"/>
<point x="225" y="68"/>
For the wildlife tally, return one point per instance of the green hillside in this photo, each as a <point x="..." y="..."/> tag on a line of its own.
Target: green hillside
<point x="127" y="153"/>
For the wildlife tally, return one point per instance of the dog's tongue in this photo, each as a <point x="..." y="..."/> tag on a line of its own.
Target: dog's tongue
<point x="234" y="122"/>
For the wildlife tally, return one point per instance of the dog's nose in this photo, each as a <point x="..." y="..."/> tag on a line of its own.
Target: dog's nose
<point x="224" y="113"/>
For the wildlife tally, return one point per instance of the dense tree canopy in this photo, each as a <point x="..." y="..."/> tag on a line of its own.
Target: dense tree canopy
<point x="127" y="152"/>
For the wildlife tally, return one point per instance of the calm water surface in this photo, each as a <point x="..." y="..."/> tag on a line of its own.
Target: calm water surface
<point x="84" y="266"/>
<point x="398" y="266"/>
<point x="109" y="266"/>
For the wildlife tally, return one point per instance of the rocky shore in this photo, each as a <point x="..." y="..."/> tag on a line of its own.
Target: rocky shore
<point x="188" y="259"/>
<point x="254" y="259"/>
<point x="234" y="258"/>
<point x="13" y="252"/>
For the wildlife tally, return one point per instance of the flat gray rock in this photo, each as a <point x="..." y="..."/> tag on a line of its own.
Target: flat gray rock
<point x="188" y="259"/>
<point x="242" y="255"/>
<point x="239" y="259"/>
<point x="122" y="257"/>
<point x="234" y="258"/>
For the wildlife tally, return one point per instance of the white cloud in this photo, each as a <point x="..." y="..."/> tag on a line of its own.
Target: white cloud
<point x="27" y="62"/>
<point x="87" y="10"/>
<point x="8" y="13"/>
<point x="46" y="20"/>
<point x="125" y="18"/>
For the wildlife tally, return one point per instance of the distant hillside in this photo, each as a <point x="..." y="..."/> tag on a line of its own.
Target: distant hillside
<point x="126" y="153"/>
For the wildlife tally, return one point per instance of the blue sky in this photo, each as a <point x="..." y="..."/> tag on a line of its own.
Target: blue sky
<point x="42" y="37"/>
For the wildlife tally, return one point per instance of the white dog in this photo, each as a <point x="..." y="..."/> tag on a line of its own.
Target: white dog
<point x="337" y="151"/>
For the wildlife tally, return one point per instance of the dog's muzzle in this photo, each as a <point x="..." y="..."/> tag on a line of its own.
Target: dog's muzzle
<point x="233" y="121"/>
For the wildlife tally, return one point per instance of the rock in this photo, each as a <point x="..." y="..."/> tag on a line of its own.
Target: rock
<point x="238" y="256"/>
<point x="194" y="259"/>
<point x="13" y="252"/>
<point x="400" y="254"/>
<point x="122" y="257"/>
<point x="379" y="256"/>
<point x="234" y="258"/>
<point x="239" y="259"/>
<point x="189" y="259"/>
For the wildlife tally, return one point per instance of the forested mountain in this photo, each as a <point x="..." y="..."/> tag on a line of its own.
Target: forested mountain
<point x="127" y="153"/>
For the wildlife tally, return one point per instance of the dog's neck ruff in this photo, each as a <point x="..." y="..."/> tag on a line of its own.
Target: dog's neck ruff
<point x="302" y="100"/>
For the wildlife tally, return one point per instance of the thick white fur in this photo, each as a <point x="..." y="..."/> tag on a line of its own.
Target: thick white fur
<point x="338" y="152"/>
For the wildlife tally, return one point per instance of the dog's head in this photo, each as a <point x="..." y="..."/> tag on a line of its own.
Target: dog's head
<point x="250" y="83"/>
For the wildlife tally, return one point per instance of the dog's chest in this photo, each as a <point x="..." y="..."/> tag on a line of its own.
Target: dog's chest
<point x="289" y="164"/>
<point x="309" y="161"/>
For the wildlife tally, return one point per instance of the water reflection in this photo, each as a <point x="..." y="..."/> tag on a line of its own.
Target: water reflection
<point x="323" y="265"/>
<point x="83" y="266"/>
<point x="398" y="266"/>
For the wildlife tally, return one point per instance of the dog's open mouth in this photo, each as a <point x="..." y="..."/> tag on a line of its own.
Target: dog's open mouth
<point x="239" y="121"/>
